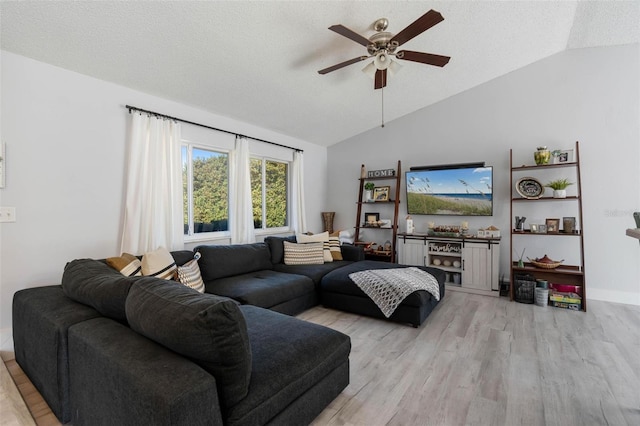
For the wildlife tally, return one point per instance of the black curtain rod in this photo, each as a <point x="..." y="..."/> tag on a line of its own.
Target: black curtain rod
<point x="157" y="114"/>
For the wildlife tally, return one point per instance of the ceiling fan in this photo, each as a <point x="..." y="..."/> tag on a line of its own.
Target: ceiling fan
<point x="382" y="47"/>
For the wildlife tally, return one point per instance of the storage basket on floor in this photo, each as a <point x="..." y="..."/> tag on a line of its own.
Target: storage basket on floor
<point x="524" y="288"/>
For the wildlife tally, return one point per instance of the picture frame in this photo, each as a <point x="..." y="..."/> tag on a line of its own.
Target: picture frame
<point x="565" y="156"/>
<point x="381" y="193"/>
<point x="542" y="229"/>
<point x="568" y="225"/>
<point x="371" y="218"/>
<point x="553" y="226"/>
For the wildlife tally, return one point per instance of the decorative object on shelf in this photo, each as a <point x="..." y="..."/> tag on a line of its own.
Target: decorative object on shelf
<point x="387" y="245"/>
<point x="529" y="188"/>
<point x="443" y="230"/>
<point x="542" y="229"/>
<point x="545" y="262"/>
<point x="381" y="173"/>
<point x="457" y="264"/>
<point x="568" y="225"/>
<point x="436" y="262"/>
<point x="491" y="232"/>
<point x="368" y="191"/>
<point x="559" y="187"/>
<point x="446" y="262"/>
<point x="520" y="223"/>
<point x="520" y="261"/>
<point x="410" y="227"/>
<point x="381" y="193"/>
<point x="327" y="221"/>
<point x="385" y="223"/>
<point x="464" y="228"/>
<point x="533" y="228"/>
<point x="480" y="232"/>
<point x="542" y="155"/>
<point x="372" y="220"/>
<point x="562" y="156"/>
<point x="553" y="226"/>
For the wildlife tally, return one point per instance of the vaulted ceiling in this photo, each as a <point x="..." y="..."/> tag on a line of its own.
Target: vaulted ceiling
<point x="257" y="61"/>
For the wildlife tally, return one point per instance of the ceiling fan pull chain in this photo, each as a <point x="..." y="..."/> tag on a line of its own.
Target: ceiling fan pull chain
<point x="382" y="94"/>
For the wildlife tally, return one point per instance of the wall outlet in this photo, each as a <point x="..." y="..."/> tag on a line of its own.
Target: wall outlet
<point x="7" y="214"/>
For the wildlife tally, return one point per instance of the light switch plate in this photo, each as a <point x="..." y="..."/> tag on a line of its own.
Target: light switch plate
<point x="7" y="214"/>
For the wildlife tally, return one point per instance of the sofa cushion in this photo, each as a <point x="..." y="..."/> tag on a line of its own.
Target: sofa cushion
<point x="303" y="254"/>
<point x="262" y="288"/>
<point x="276" y="381"/>
<point x="276" y="247"/>
<point x="230" y="260"/>
<point x="208" y="329"/>
<point x="96" y="284"/>
<point x="159" y="263"/>
<point x="315" y="272"/>
<point x="127" y="264"/>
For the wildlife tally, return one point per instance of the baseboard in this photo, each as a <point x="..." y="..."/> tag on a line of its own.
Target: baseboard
<point x="626" y="297"/>
<point x="6" y="340"/>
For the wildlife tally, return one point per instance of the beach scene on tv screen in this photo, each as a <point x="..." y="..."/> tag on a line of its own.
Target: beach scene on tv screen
<point x="465" y="192"/>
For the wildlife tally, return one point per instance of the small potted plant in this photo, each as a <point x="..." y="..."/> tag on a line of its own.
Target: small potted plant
<point x="368" y="191"/>
<point x="559" y="187"/>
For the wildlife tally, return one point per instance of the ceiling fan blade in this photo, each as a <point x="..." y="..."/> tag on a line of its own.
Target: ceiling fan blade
<point x="342" y="64"/>
<point x="418" y="26"/>
<point x="425" y="58"/>
<point x="352" y="35"/>
<point x="380" y="79"/>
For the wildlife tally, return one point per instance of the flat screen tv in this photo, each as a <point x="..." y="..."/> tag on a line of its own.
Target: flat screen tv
<point x="450" y="190"/>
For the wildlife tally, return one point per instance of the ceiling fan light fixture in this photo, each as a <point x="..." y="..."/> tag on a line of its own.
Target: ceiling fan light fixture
<point x="370" y="70"/>
<point x="394" y="68"/>
<point x="382" y="61"/>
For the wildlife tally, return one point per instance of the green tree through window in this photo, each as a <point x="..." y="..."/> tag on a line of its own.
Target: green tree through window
<point x="269" y="192"/>
<point x="205" y="177"/>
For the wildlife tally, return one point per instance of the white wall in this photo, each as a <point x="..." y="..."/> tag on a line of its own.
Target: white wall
<point x="587" y="95"/>
<point x="65" y="137"/>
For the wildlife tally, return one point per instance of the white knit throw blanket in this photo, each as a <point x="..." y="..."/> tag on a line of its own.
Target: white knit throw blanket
<point x="389" y="287"/>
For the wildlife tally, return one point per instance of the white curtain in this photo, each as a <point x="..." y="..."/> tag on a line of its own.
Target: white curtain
<point x="241" y="208"/>
<point x="153" y="214"/>
<point x="298" y="215"/>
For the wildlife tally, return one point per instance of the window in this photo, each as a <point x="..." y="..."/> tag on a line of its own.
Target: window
<point x="269" y="192"/>
<point x="205" y="178"/>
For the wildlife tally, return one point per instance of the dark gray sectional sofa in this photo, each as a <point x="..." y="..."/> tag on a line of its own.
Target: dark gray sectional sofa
<point x="107" y="349"/>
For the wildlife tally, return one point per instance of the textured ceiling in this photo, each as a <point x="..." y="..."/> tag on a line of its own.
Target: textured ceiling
<point x="257" y="61"/>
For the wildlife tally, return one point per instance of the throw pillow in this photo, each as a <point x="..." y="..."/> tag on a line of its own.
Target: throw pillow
<point x="159" y="263"/>
<point x="303" y="254"/>
<point x="127" y="264"/>
<point x="322" y="237"/>
<point x="189" y="274"/>
<point x="334" y="248"/>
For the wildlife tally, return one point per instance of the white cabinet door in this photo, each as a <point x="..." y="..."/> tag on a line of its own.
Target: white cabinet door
<point x="477" y="266"/>
<point x="411" y="252"/>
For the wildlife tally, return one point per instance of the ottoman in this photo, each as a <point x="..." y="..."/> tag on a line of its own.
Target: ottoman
<point x="337" y="291"/>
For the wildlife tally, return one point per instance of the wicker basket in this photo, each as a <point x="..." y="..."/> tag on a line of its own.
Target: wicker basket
<point x="524" y="288"/>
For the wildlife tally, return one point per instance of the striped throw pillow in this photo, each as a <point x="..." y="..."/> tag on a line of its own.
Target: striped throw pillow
<point x="159" y="263"/>
<point x="322" y="237"/>
<point x="334" y="248"/>
<point x="303" y="254"/>
<point x="127" y="264"/>
<point x="189" y="274"/>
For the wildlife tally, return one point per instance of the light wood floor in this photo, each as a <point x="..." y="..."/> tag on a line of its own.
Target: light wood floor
<point x="481" y="360"/>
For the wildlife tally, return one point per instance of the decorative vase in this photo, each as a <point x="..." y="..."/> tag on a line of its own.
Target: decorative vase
<point x="559" y="193"/>
<point x="368" y="195"/>
<point x="542" y="155"/>
<point x="327" y="219"/>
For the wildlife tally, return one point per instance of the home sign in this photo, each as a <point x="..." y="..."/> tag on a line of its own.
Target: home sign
<point x="381" y="173"/>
